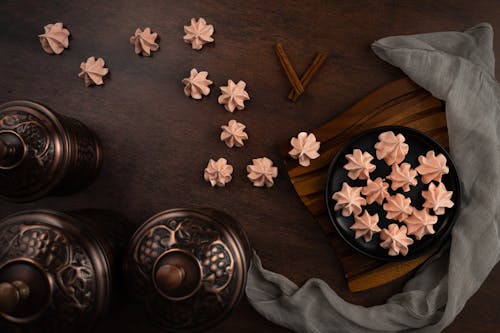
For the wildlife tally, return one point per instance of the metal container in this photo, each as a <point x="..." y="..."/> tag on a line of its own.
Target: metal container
<point x="188" y="268"/>
<point x="44" y="153"/>
<point x="57" y="269"/>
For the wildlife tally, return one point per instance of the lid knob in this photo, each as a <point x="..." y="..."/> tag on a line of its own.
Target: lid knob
<point x="169" y="277"/>
<point x="11" y="294"/>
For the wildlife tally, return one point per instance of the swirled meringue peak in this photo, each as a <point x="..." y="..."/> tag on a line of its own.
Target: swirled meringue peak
<point x="359" y="164"/>
<point x="93" y="71"/>
<point x="365" y="226"/>
<point x="305" y="148"/>
<point x="391" y="148"/>
<point x="218" y="172"/>
<point x="55" y="38"/>
<point x="402" y="176"/>
<point x="349" y="200"/>
<point x="421" y="223"/>
<point x="233" y="134"/>
<point x="197" y="84"/>
<point x="395" y="240"/>
<point x="198" y="33"/>
<point x="144" y="42"/>
<point x="375" y="191"/>
<point x="398" y="207"/>
<point x="437" y="198"/>
<point x="432" y="167"/>
<point x="262" y="172"/>
<point x="233" y="95"/>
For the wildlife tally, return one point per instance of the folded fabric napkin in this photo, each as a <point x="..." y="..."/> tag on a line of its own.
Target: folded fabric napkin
<point x="458" y="68"/>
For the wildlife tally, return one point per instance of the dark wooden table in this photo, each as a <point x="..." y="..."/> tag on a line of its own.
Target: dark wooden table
<point x="157" y="142"/>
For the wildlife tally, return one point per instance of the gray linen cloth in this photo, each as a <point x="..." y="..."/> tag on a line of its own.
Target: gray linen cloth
<point x="458" y="68"/>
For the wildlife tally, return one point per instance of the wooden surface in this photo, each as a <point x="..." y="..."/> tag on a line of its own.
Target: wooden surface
<point x="402" y="103"/>
<point x="157" y="141"/>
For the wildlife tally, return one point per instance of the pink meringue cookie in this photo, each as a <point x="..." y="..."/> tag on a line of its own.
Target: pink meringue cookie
<point x="55" y="38"/>
<point x="262" y="172"/>
<point x="93" y="71"/>
<point x="392" y="148"/>
<point x="395" y="239"/>
<point x="365" y="226"/>
<point x="437" y="198"/>
<point x="432" y="167"/>
<point x="234" y="95"/>
<point x="197" y="84"/>
<point x="402" y="176"/>
<point x="421" y="223"/>
<point x="359" y="164"/>
<point x="218" y="172"/>
<point x="144" y="42"/>
<point x="398" y="207"/>
<point x="305" y="148"/>
<point x="198" y="33"/>
<point x="349" y="200"/>
<point x="233" y="134"/>
<point x="375" y="191"/>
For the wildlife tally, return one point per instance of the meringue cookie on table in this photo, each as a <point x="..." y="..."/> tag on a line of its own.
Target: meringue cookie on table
<point x="398" y="207"/>
<point x="55" y="38"/>
<point x="93" y="71"/>
<point x="402" y="176"/>
<point x="375" y="190"/>
<point x="432" y="167"/>
<point x="349" y="200"/>
<point x="198" y="33"/>
<point x="395" y="240"/>
<point x="144" y="41"/>
<point x="421" y="223"/>
<point x="391" y="148"/>
<point x="359" y="164"/>
<point x="218" y="172"/>
<point x="233" y="134"/>
<point x="437" y="198"/>
<point x="262" y="172"/>
<point x="365" y="226"/>
<point x="233" y="95"/>
<point x="197" y="84"/>
<point x="305" y="148"/>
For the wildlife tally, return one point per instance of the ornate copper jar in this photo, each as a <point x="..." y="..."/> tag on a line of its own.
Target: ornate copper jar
<point x="188" y="268"/>
<point x="57" y="269"/>
<point x="44" y="153"/>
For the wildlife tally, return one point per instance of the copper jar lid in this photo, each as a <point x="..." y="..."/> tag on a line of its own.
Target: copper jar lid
<point x="43" y="153"/>
<point x="56" y="269"/>
<point x="188" y="268"/>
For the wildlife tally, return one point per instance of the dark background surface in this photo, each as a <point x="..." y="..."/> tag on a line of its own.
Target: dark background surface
<point x="157" y="142"/>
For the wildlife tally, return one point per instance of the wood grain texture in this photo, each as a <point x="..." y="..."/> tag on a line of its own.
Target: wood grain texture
<point x="157" y="142"/>
<point x="402" y="103"/>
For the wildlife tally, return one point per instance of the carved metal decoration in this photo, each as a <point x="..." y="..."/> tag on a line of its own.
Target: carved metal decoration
<point x="188" y="268"/>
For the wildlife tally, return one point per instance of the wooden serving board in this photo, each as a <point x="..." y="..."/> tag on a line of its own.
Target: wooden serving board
<point x="401" y="102"/>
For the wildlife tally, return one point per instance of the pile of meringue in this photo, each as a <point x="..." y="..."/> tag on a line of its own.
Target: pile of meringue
<point x="405" y="220"/>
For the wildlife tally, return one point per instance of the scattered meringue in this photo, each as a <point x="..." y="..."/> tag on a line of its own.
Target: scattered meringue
<point x="233" y="95"/>
<point x="432" y="167"/>
<point x="349" y="199"/>
<point x="398" y="207"/>
<point x="437" y="198"/>
<point x="218" y="172"/>
<point x="144" y="41"/>
<point x="395" y="239"/>
<point x="421" y="223"/>
<point x="305" y="148"/>
<point x="359" y="164"/>
<point x="233" y="134"/>
<point x="93" y="71"/>
<point x="402" y="176"/>
<point x="375" y="191"/>
<point x="198" y="33"/>
<point x="262" y="172"/>
<point x="55" y="38"/>
<point x="391" y="148"/>
<point x="197" y="84"/>
<point x="365" y="226"/>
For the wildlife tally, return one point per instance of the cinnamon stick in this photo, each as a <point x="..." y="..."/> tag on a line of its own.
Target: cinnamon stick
<point x="308" y="74"/>
<point x="290" y="72"/>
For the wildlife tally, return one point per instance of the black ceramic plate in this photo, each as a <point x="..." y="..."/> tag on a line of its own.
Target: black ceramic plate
<point x="419" y="144"/>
